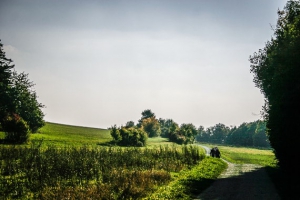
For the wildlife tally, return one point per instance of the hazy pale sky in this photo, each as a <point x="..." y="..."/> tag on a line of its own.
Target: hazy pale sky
<point x="100" y="63"/>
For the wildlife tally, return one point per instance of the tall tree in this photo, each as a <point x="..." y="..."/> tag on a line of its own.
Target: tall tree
<point x="151" y="126"/>
<point x="6" y="68"/>
<point x="276" y="70"/>
<point x="18" y="99"/>
<point x="167" y="126"/>
<point x="146" y="114"/>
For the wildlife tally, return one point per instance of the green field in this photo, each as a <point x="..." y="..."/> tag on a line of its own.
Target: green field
<point x="60" y="134"/>
<point x="240" y="155"/>
<point x="80" y="163"/>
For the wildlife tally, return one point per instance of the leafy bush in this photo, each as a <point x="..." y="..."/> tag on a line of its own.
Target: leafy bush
<point x="167" y="127"/>
<point x="129" y="136"/>
<point x="151" y="126"/>
<point x="184" y="135"/>
<point x="16" y="129"/>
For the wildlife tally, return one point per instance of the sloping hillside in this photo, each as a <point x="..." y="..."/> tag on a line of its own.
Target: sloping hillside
<point x="61" y="134"/>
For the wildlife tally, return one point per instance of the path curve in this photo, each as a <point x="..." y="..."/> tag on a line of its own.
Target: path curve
<point x="241" y="182"/>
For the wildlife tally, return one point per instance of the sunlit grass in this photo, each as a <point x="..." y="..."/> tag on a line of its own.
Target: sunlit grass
<point x="248" y="155"/>
<point x="189" y="183"/>
<point x="240" y="155"/>
<point x="61" y="135"/>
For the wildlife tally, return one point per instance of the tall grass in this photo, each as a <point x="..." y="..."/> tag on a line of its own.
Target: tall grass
<point x="85" y="172"/>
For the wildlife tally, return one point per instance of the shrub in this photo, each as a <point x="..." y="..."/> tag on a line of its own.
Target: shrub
<point x="129" y="136"/>
<point x="16" y="129"/>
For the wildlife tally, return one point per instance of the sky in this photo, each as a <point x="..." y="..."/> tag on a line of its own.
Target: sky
<point x="101" y="63"/>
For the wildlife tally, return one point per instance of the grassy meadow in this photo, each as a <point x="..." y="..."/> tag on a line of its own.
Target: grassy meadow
<point x="60" y="134"/>
<point x="240" y="155"/>
<point x="72" y="162"/>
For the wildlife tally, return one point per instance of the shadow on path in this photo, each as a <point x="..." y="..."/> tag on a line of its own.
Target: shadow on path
<point x="244" y="182"/>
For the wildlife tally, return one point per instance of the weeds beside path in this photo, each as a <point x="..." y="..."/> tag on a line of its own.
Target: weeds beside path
<point x="241" y="181"/>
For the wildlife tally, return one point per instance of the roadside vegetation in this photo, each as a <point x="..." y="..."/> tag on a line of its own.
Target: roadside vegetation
<point x="190" y="183"/>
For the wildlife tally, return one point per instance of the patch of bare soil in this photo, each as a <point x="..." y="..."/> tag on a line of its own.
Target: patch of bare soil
<point x="241" y="182"/>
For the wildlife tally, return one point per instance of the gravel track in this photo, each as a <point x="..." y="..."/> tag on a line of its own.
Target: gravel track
<point x="241" y="182"/>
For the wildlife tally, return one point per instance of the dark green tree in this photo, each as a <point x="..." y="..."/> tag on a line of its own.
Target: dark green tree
<point x="25" y="103"/>
<point x="189" y="131"/>
<point x="218" y="133"/>
<point x="184" y="135"/>
<point x="17" y="98"/>
<point x="276" y="70"/>
<point x="132" y="136"/>
<point x="6" y="70"/>
<point x="145" y="114"/>
<point x="202" y="136"/>
<point x="167" y="126"/>
<point x="129" y="124"/>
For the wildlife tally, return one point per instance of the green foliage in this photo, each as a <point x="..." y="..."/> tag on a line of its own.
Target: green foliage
<point x="191" y="182"/>
<point x="25" y="101"/>
<point x="128" y="136"/>
<point x="184" y="135"/>
<point x="17" y="96"/>
<point x="115" y="133"/>
<point x="260" y="138"/>
<point x="5" y="80"/>
<point x="151" y="126"/>
<point x="167" y="127"/>
<point x="247" y="134"/>
<point x="129" y="124"/>
<point x="243" y="135"/>
<point x="276" y="73"/>
<point x="103" y="173"/>
<point x="215" y="134"/>
<point x="146" y="114"/>
<point x="16" y="129"/>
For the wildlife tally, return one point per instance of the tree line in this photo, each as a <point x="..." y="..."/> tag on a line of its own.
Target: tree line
<point x="247" y="134"/>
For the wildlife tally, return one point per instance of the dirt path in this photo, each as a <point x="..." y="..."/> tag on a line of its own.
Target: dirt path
<point x="241" y="182"/>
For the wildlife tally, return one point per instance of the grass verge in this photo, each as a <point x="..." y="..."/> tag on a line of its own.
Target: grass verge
<point x="189" y="183"/>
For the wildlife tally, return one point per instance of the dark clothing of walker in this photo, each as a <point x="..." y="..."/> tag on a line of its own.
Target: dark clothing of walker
<point x="214" y="152"/>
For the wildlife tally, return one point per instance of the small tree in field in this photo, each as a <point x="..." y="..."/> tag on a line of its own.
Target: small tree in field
<point x="151" y="126"/>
